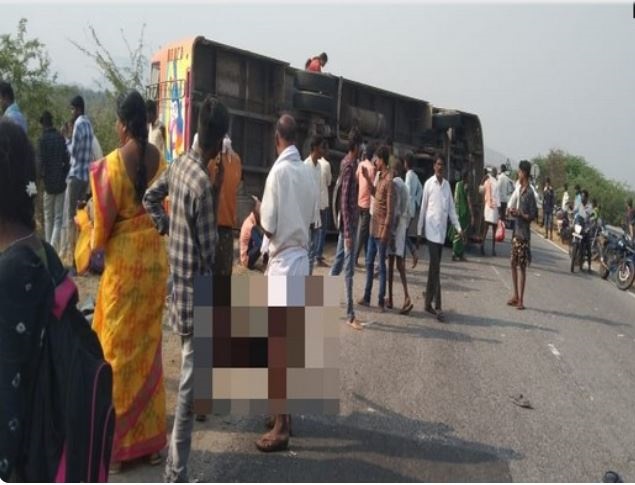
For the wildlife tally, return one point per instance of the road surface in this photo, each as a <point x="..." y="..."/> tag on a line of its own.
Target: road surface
<point x="429" y="401"/>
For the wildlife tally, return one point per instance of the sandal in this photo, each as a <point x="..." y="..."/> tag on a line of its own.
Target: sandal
<point x="155" y="459"/>
<point x="270" y="421"/>
<point x="512" y="302"/>
<point x="268" y="445"/>
<point x="407" y="306"/>
<point x="363" y="302"/>
<point x="520" y="307"/>
<point x="355" y="324"/>
<point x="440" y="316"/>
<point x="388" y="304"/>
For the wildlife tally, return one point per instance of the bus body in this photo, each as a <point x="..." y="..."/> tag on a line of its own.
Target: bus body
<point x="257" y="89"/>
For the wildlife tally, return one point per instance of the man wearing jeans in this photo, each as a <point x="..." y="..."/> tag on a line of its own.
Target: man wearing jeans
<point x="437" y="204"/>
<point x="380" y="226"/>
<point x="325" y="183"/>
<point x="345" y="253"/>
<point x="313" y="165"/>
<point x="192" y="246"/>
<point x="77" y="183"/>
<point x="363" y="202"/>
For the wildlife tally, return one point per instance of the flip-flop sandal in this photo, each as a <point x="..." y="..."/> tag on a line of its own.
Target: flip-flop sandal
<point x="355" y="325"/>
<point x="362" y="302"/>
<point x="154" y="459"/>
<point x="431" y="311"/>
<point x="267" y="445"/>
<point x="512" y="302"/>
<point x="389" y="305"/>
<point x="440" y="316"/>
<point x="520" y="307"/>
<point x="270" y="421"/>
<point x="406" y="309"/>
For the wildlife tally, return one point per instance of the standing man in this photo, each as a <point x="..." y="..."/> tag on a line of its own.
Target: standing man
<point x="380" y="226"/>
<point x="505" y="190"/>
<point x="491" y="205"/>
<point x="463" y="206"/>
<point x="81" y="149"/>
<point x="313" y="164"/>
<point x="363" y="201"/>
<point x="156" y="130"/>
<point x="9" y="107"/>
<point x="325" y="183"/>
<point x="523" y="207"/>
<point x="548" y="204"/>
<point x="565" y="199"/>
<point x="53" y="163"/>
<point x="317" y="63"/>
<point x="415" y="190"/>
<point x="192" y="246"/>
<point x="287" y="210"/>
<point x="226" y="183"/>
<point x="578" y="198"/>
<point x="437" y="206"/>
<point x="345" y="253"/>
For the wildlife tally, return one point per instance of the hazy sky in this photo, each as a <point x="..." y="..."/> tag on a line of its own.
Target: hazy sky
<point x="539" y="76"/>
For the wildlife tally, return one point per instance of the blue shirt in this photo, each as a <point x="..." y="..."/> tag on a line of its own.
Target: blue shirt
<point x="415" y="190"/>
<point x="14" y="114"/>
<point x="81" y="148"/>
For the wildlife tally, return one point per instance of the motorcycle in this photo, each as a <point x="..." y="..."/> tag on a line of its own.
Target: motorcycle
<point x="580" y="248"/>
<point x="617" y="256"/>
<point x="563" y="225"/>
<point x="626" y="268"/>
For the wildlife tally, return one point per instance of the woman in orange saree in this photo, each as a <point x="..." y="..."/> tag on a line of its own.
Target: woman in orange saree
<point x="129" y="309"/>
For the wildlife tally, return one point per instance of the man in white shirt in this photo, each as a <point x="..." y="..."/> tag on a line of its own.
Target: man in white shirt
<point x="437" y="204"/>
<point x="505" y="190"/>
<point x="415" y="190"/>
<point x="313" y="164"/>
<point x="286" y="213"/>
<point x="325" y="182"/>
<point x="565" y="198"/>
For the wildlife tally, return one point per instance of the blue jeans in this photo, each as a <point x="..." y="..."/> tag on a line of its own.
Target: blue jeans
<point x="181" y="438"/>
<point x="314" y="244"/>
<point x="324" y="216"/>
<point x="345" y="258"/>
<point x="375" y="246"/>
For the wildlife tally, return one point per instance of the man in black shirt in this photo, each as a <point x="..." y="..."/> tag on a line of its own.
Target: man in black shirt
<point x="54" y="163"/>
<point x="523" y="207"/>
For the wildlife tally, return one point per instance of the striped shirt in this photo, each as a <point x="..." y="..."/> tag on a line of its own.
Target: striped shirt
<point x="192" y="229"/>
<point x="81" y="148"/>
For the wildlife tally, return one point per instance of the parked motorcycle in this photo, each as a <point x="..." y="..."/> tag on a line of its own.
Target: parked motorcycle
<point x="626" y="269"/>
<point x="564" y="225"/>
<point x="580" y="248"/>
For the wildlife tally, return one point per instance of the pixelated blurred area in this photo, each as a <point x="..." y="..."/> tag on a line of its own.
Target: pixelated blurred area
<point x="266" y="345"/>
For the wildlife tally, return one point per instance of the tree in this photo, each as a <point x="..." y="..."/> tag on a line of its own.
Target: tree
<point x="26" y="65"/>
<point x="120" y="78"/>
<point x="563" y="167"/>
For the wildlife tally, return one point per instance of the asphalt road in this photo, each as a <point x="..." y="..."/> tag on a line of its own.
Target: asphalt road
<point x="429" y="401"/>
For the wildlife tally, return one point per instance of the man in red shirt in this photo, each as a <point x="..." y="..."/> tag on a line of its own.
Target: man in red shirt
<point x="315" y="64"/>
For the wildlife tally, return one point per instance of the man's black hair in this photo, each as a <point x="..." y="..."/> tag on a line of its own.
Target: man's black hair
<point x="566" y="186"/>
<point x="354" y="139"/>
<point x="151" y="108"/>
<point x="46" y="120"/>
<point x="525" y="167"/>
<point x="286" y="128"/>
<point x="585" y="193"/>
<point x="316" y="141"/>
<point x="503" y="168"/>
<point x="78" y="102"/>
<point x="383" y="152"/>
<point x="213" y="123"/>
<point x="409" y="159"/>
<point x="6" y="91"/>
<point x="17" y="166"/>
<point x="577" y="188"/>
<point x="439" y="156"/>
<point x="324" y="57"/>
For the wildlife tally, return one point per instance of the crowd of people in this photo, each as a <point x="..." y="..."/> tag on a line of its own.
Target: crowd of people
<point x="137" y="198"/>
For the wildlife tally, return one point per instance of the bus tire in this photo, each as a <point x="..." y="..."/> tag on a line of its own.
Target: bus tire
<point x="316" y="83"/>
<point x="314" y="103"/>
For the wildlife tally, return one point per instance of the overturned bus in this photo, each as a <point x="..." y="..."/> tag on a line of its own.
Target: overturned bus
<point x="257" y="89"/>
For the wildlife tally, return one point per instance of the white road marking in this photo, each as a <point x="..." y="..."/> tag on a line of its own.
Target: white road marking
<point x="550" y="242"/>
<point x="503" y="280"/>
<point x="554" y="350"/>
